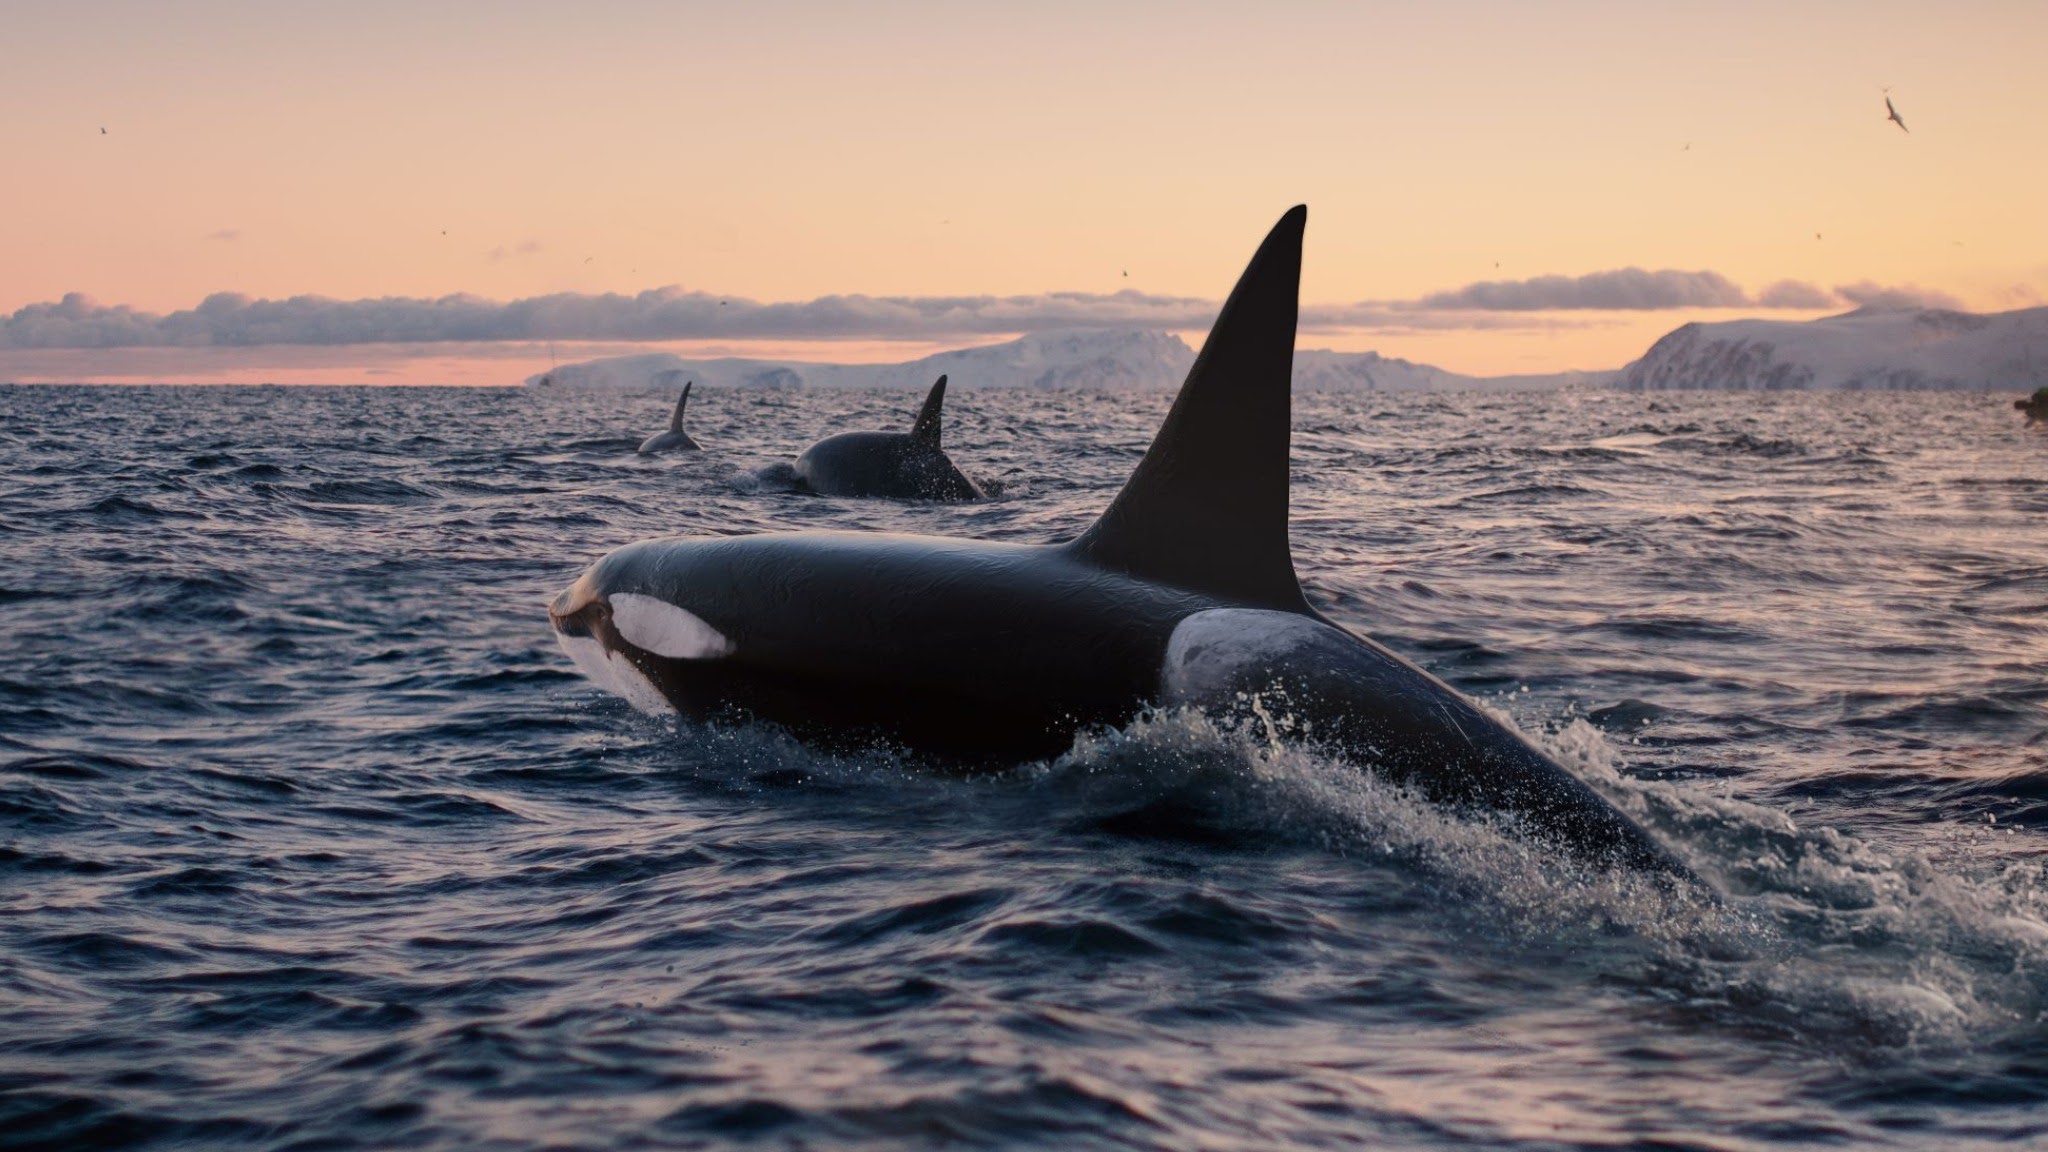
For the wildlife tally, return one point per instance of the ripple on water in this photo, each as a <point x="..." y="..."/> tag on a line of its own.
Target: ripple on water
<point x="315" y="841"/>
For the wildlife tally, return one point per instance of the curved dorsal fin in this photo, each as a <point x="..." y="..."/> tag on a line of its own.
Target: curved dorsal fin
<point x="675" y="422"/>
<point x="1206" y="509"/>
<point x="926" y="430"/>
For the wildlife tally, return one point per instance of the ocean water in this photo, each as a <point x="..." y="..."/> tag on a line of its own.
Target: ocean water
<point x="311" y="838"/>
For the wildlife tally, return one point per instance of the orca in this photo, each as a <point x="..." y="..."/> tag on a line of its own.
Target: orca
<point x="904" y="465"/>
<point x="675" y="439"/>
<point x="1183" y="593"/>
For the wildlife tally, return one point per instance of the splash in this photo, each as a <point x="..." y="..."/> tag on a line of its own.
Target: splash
<point x="1815" y="935"/>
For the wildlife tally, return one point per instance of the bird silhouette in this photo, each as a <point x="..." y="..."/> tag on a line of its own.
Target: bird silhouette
<point x="1894" y="116"/>
<point x="103" y="131"/>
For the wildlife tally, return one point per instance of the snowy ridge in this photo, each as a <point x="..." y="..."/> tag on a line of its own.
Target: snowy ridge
<point x="1091" y="358"/>
<point x="1924" y="348"/>
<point x="1108" y="359"/>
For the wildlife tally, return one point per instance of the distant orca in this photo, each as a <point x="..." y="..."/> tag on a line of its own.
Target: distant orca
<point x="2035" y="406"/>
<point x="1182" y="593"/>
<point x="675" y="439"/>
<point x="906" y="465"/>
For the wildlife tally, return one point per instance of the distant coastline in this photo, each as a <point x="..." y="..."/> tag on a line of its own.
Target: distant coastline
<point x="1865" y="350"/>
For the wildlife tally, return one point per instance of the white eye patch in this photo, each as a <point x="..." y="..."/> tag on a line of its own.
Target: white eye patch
<point x="657" y="626"/>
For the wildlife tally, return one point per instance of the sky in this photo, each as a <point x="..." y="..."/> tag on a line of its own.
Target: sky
<point x="420" y="191"/>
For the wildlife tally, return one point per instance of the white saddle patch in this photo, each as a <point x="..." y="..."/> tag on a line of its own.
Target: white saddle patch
<point x="1208" y="648"/>
<point x="655" y="625"/>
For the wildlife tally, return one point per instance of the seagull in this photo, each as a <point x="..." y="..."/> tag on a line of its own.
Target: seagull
<point x="1894" y="117"/>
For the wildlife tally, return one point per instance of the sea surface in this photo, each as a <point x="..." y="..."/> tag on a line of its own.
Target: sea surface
<point x="311" y="838"/>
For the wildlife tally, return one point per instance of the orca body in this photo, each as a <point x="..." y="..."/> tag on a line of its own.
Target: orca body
<point x="675" y="439"/>
<point x="903" y="465"/>
<point x="1183" y="593"/>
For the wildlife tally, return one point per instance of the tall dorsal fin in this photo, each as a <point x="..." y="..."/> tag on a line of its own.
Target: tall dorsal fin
<point x="1206" y="509"/>
<point x="926" y="430"/>
<point x="675" y="422"/>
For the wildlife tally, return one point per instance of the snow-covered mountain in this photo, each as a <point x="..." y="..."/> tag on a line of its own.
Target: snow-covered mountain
<point x="1095" y="358"/>
<point x="1088" y="358"/>
<point x="1865" y="349"/>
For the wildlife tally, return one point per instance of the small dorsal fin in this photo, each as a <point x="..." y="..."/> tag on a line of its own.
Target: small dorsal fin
<point x="1206" y="509"/>
<point x="926" y="430"/>
<point x="675" y="422"/>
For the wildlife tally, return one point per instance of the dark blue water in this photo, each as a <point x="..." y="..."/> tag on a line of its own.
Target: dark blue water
<point x="310" y="837"/>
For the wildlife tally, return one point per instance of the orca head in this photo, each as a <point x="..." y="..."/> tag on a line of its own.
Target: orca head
<point x="620" y="627"/>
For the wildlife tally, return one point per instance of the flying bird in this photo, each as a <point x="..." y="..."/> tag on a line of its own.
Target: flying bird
<point x="1894" y="116"/>
<point x="103" y="131"/>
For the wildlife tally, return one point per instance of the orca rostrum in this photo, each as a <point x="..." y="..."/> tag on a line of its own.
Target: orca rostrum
<point x="675" y="439"/>
<point x="903" y="465"/>
<point x="1183" y="593"/>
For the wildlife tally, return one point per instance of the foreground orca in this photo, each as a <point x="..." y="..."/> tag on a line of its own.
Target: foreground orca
<point x="675" y="439"/>
<point x="1183" y="593"/>
<point x="906" y="465"/>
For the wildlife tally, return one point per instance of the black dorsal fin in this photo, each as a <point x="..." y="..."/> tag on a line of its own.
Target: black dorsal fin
<point x="1206" y="509"/>
<point x="926" y="430"/>
<point x="675" y="422"/>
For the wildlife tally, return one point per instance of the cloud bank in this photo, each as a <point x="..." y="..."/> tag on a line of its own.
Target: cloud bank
<point x="1621" y="290"/>
<point x="232" y="320"/>
<point x="1895" y="298"/>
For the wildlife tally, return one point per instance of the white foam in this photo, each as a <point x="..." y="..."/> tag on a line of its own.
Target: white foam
<point x="657" y="626"/>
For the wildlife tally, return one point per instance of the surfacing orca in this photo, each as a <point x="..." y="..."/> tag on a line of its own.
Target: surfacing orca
<point x="905" y="465"/>
<point x="675" y="439"/>
<point x="1183" y="593"/>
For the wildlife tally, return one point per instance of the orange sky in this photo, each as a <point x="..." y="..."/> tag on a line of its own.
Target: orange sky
<point x="784" y="151"/>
